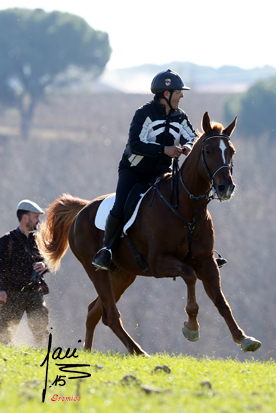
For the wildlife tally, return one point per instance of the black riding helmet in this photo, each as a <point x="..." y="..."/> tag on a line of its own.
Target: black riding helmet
<point x="167" y="80"/>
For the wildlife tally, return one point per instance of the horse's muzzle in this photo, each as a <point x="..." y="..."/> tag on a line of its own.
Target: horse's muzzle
<point x="224" y="192"/>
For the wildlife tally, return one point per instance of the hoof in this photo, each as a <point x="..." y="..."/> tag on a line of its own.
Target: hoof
<point x="191" y="335"/>
<point x="147" y="355"/>
<point x="250" y="344"/>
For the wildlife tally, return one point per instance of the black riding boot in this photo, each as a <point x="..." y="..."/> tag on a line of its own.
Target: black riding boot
<point x="113" y="230"/>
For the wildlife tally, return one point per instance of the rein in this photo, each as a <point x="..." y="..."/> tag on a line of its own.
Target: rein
<point x="191" y="225"/>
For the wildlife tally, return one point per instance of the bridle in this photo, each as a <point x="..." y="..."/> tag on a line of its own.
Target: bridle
<point x="224" y="165"/>
<point x="207" y="195"/>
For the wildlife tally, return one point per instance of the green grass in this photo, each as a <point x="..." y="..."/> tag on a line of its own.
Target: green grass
<point x="189" y="385"/>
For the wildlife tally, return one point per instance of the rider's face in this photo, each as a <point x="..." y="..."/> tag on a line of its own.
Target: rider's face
<point x="175" y="99"/>
<point x="176" y="96"/>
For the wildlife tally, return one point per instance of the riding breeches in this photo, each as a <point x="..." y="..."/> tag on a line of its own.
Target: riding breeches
<point x="128" y="177"/>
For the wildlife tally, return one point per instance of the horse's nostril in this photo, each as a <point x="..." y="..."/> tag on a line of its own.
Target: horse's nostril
<point x="221" y="188"/>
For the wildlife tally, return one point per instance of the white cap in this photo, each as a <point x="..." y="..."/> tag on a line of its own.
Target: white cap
<point x="31" y="206"/>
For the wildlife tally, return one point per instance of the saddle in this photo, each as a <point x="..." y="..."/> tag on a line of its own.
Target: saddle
<point x="130" y="210"/>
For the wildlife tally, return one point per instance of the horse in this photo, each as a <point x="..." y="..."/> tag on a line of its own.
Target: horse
<point x="173" y="241"/>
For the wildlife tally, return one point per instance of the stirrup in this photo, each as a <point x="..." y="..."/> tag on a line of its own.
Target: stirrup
<point x="97" y="260"/>
<point x="221" y="261"/>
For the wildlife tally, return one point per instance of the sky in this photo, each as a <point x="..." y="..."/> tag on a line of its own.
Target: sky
<point x="205" y="32"/>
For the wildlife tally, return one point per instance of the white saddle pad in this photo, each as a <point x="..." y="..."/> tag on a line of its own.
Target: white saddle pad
<point x="105" y="207"/>
<point x="103" y="211"/>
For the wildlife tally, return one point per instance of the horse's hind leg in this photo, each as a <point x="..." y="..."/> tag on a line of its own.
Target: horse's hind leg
<point x="120" y="282"/>
<point x="110" y="314"/>
<point x="93" y="317"/>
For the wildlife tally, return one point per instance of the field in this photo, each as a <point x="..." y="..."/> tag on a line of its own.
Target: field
<point x="125" y="384"/>
<point x="75" y="147"/>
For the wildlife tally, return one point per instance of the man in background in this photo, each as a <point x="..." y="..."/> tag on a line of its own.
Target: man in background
<point x="21" y="278"/>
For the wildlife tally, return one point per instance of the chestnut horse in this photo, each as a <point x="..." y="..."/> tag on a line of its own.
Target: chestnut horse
<point x="174" y="242"/>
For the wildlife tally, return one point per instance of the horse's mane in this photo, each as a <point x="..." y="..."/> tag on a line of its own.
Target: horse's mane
<point x="216" y="128"/>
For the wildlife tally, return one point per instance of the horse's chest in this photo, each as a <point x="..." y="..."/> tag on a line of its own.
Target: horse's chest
<point x="195" y="246"/>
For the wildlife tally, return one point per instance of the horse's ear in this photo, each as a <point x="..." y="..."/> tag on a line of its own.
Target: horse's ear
<point x="206" y="124"/>
<point x="227" y="131"/>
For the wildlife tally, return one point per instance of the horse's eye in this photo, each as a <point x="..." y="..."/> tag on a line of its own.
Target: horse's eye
<point x="208" y="151"/>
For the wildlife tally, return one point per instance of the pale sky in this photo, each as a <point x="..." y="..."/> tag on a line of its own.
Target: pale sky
<point x="206" y="32"/>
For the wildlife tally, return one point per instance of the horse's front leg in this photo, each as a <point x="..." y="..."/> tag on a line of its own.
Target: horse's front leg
<point x="211" y="280"/>
<point x="169" y="266"/>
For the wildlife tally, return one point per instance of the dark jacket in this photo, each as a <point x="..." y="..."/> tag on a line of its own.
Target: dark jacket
<point x="150" y="131"/>
<point x="16" y="263"/>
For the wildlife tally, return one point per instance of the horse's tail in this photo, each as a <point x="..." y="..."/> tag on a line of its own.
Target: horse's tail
<point x="52" y="237"/>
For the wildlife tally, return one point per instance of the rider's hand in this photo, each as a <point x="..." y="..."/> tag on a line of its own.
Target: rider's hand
<point x="173" y="151"/>
<point x="186" y="150"/>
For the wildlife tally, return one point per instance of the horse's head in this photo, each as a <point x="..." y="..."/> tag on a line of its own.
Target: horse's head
<point x="217" y="156"/>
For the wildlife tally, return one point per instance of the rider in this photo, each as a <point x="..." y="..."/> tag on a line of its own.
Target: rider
<point x="159" y="132"/>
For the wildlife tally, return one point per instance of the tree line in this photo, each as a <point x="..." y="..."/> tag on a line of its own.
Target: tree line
<point x="255" y="108"/>
<point x="42" y="51"/>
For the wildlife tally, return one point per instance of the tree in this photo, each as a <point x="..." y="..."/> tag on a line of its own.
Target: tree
<point x="255" y="108"/>
<point x="37" y="52"/>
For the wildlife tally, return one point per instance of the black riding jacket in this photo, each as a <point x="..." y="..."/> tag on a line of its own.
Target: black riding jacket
<point x="17" y="255"/>
<point x="150" y="131"/>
